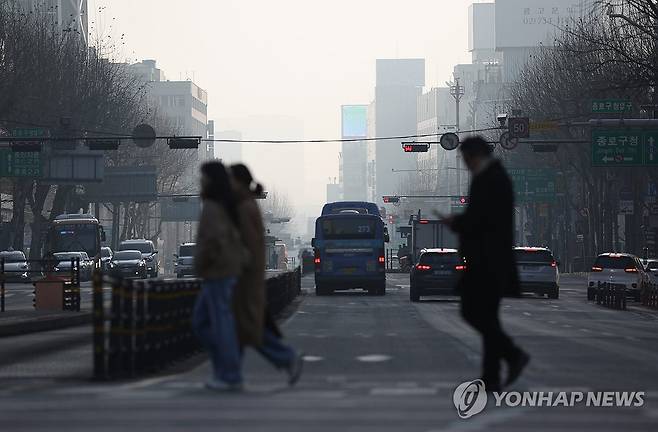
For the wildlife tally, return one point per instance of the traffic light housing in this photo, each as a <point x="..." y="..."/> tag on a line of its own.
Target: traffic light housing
<point x="391" y="199"/>
<point x="415" y="148"/>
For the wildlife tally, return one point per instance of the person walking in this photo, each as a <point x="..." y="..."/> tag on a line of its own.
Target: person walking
<point x="255" y="325"/>
<point x="219" y="260"/>
<point x="486" y="237"/>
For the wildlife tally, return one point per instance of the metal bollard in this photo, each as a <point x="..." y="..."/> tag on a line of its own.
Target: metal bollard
<point x="140" y="348"/>
<point x="2" y="285"/>
<point x="128" y="330"/>
<point x="114" y="348"/>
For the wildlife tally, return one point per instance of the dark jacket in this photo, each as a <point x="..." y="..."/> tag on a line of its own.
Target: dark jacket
<point x="486" y="235"/>
<point x="249" y="300"/>
<point x="220" y="252"/>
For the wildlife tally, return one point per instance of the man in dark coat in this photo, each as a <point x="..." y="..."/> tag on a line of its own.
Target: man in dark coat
<point x="486" y="236"/>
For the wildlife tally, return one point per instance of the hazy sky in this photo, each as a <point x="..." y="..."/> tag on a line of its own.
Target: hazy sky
<point x="293" y="58"/>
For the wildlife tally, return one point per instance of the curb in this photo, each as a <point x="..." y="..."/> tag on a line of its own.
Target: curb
<point x="39" y="325"/>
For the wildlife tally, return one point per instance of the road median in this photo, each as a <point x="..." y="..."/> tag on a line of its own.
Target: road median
<point x="13" y="323"/>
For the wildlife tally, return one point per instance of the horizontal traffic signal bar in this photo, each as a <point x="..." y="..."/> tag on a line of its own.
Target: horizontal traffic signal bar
<point x="415" y="147"/>
<point x="184" y="143"/>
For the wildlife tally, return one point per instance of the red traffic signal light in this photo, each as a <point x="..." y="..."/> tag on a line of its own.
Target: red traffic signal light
<point x="415" y="148"/>
<point x="391" y="199"/>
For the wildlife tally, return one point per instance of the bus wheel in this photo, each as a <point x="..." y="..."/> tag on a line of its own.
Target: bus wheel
<point x="381" y="290"/>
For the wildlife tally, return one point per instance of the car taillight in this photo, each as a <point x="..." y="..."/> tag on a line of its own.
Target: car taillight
<point x="423" y="267"/>
<point x="317" y="260"/>
<point x="597" y="269"/>
<point x="382" y="260"/>
<point x="460" y="267"/>
<point x="554" y="263"/>
<point x="631" y="270"/>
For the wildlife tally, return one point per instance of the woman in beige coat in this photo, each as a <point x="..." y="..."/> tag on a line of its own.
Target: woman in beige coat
<point x="254" y="324"/>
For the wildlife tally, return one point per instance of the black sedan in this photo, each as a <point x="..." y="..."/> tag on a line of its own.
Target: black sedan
<point x="436" y="273"/>
<point x="129" y="264"/>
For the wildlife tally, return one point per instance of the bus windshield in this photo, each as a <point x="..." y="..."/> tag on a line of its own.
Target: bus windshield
<point x="76" y="237"/>
<point x="343" y="228"/>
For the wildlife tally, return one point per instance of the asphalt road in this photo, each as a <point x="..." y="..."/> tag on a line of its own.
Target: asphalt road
<point x="372" y="363"/>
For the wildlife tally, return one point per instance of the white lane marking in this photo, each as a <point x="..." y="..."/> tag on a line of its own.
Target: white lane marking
<point x="391" y="334"/>
<point x="404" y="286"/>
<point x="311" y="359"/>
<point x="585" y="330"/>
<point x="631" y="338"/>
<point x="374" y="358"/>
<point x="567" y="325"/>
<point x="552" y="322"/>
<point x="527" y="314"/>
<point x="607" y="334"/>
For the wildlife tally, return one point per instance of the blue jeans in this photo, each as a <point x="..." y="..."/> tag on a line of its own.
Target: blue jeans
<point x="214" y="325"/>
<point x="275" y="351"/>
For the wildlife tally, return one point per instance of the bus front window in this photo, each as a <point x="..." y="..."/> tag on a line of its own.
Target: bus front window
<point x="76" y="238"/>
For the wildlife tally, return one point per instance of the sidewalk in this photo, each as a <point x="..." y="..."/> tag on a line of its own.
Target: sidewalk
<point x="15" y="322"/>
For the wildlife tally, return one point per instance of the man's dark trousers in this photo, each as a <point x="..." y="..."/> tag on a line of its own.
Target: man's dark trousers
<point x="480" y="310"/>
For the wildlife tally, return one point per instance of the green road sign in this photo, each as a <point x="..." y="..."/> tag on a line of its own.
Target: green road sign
<point x="533" y="185"/>
<point x="29" y="132"/>
<point x="611" y="106"/>
<point x="624" y="147"/>
<point x="20" y="164"/>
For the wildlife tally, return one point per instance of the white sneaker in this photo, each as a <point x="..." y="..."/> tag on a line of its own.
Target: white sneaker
<point x="221" y="386"/>
<point x="295" y="369"/>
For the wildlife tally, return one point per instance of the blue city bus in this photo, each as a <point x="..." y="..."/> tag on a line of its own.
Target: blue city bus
<point x="349" y="253"/>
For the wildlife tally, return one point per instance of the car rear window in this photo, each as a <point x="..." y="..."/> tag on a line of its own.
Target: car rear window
<point x="609" y="262"/>
<point x="534" y="256"/>
<point x="434" y="258"/>
<point x="187" y="251"/>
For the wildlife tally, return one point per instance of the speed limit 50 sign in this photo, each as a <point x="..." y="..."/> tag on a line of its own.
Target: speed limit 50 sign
<point x="519" y="127"/>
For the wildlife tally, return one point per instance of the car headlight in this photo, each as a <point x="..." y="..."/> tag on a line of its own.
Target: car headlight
<point x="141" y="264"/>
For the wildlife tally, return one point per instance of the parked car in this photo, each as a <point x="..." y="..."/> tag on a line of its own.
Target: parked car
<point x="130" y="264"/>
<point x="63" y="266"/>
<point x="538" y="271"/>
<point x="106" y="258"/>
<point x="651" y="268"/>
<point x="618" y="268"/>
<point x="436" y="273"/>
<point x="148" y="251"/>
<point x="184" y="260"/>
<point x="15" y="267"/>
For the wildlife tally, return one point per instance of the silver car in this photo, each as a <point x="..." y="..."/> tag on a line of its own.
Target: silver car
<point x="184" y="260"/>
<point x="63" y="266"/>
<point x="618" y="268"/>
<point x="538" y="271"/>
<point x="15" y="268"/>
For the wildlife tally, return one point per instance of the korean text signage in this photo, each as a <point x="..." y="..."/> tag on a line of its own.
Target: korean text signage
<point x="533" y="185"/>
<point x="20" y="164"/>
<point x="611" y="106"/>
<point x="624" y="147"/>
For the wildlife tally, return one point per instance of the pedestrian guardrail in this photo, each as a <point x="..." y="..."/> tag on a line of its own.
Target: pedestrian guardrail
<point x="44" y="271"/>
<point x="611" y="295"/>
<point x="146" y="325"/>
<point x="649" y="296"/>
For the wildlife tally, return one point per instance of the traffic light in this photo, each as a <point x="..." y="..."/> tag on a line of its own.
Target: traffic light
<point x="415" y="148"/>
<point x="391" y="199"/>
<point x="102" y="144"/>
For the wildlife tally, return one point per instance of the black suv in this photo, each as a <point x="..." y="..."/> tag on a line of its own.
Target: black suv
<point x="148" y="251"/>
<point x="436" y="273"/>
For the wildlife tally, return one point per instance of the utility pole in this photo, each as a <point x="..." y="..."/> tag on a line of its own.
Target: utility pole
<point x="457" y="92"/>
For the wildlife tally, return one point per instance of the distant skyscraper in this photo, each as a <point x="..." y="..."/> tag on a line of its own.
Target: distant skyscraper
<point x="399" y="83"/>
<point x="354" y="154"/>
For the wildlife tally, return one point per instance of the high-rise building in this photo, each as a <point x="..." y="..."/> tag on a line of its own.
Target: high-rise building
<point x="183" y="103"/>
<point x="353" y="157"/>
<point x="399" y="83"/>
<point x="69" y="15"/>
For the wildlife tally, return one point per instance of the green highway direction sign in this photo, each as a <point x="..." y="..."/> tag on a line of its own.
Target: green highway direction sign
<point x="611" y="106"/>
<point x="533" y="185"/>
<point x="20" y="164"/>
<point x="624" y="147"/>
<point x="30" y="133"/>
